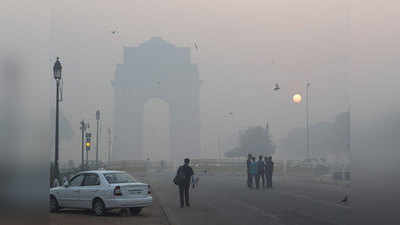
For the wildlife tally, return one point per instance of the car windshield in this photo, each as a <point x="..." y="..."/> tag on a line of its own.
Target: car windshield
<point x="118" y="178"/>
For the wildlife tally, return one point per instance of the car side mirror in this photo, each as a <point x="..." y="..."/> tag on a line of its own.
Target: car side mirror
<point x="66" y="184"/>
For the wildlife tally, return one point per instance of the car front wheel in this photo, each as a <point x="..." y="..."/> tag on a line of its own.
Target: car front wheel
<point x="98" y="207"/>
<point x="135" y="211"/>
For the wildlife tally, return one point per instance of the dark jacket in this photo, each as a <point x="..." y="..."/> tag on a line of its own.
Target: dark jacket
<point x="260" y="167"/>
<point x="248" y="165"/>
<point x="187" y="172"/>
<point x="269" y="167"/>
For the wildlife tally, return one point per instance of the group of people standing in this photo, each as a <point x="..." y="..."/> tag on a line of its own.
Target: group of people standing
<point x="262" y="169"/>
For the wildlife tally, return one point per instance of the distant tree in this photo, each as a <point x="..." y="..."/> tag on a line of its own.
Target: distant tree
<point x="255" y="140"/>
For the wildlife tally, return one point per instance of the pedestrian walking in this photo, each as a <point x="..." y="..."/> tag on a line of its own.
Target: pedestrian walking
<point x="260" y="172"/>
<point x="253" y="170"/>
<point x="249" y="180"/>
<point x="182" y="179"/>
<point x="269" y="170"/>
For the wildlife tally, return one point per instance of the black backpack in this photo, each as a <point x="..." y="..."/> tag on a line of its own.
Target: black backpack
<point x="180" y="176"/>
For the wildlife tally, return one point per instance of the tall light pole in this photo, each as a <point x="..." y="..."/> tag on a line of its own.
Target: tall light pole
<point x="109" y="145"/>
<point x="228" y="117"/>
<point x="221" y="136"/>
<point x="97" y="137"/>
<point x="57" y="68"/>
<point x="308" y="96"/>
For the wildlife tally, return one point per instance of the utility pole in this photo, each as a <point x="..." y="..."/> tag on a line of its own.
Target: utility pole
<point x="83" y="128"/>
<point x="97" y="137"/>
<point x="308" y="96"/>
<point x="109" y="145"/>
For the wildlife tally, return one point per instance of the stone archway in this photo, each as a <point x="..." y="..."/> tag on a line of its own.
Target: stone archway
<point x="156" y="69"/>
<point x="156" y="129"/>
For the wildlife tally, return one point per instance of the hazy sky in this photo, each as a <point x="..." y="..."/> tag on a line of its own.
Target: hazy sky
<point x="245" y="47"/>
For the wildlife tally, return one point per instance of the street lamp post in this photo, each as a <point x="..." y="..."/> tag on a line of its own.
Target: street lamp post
<point x="57" y="68"/>
<point x="97" y="137"/>
<point x="225" y="141"/>
<point x="109" y="145"/>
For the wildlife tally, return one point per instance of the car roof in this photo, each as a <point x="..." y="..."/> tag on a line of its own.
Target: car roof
<point x="102" y="171"/>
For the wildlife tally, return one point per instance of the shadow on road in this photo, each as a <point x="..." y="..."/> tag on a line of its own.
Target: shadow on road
<point x="110" y="213"/>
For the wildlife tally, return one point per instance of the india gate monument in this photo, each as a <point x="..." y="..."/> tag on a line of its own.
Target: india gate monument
<point x="156" y="69"/>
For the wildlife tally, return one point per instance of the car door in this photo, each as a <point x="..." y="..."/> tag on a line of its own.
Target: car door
<point x="72" y="192"/>
<point x="61" y="196"/>
<point x="89" y="190"/>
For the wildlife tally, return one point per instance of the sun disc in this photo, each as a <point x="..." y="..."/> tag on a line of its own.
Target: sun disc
<point x="297" y="98"/>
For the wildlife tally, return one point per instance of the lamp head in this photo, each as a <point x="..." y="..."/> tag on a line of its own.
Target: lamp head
<point x="57" y="68"/>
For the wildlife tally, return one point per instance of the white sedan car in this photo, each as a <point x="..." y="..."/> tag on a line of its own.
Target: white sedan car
<point x="101" y="190"/>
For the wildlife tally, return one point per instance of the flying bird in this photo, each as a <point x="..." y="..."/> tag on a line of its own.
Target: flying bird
<point x="276" y="88"/>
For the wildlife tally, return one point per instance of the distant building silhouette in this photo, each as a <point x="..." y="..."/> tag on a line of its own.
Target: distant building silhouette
<point x="156" y="69"/>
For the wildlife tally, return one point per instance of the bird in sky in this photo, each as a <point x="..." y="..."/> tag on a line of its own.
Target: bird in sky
<point x="276" y="88"/>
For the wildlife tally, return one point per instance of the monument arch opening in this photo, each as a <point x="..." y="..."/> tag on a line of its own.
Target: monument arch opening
<point x="156" y="133"/>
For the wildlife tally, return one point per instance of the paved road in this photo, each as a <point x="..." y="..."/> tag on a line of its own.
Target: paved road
<point x="225" y="200"/>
